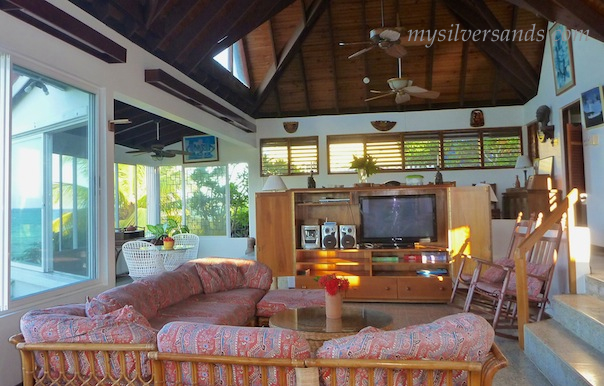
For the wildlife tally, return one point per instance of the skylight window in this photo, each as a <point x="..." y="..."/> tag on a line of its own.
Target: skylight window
<point x="233" y="59"/>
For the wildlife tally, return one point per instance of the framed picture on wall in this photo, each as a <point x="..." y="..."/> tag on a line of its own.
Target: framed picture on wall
<point x="199" y="148"/>
<point x="560" y="39"/>
<point x="591" y="108"/>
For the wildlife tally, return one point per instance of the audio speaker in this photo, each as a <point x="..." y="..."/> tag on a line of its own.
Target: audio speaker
<point x="311" y="237"/>
<point x="329" y="232"/>
<point x="348" y="236"/>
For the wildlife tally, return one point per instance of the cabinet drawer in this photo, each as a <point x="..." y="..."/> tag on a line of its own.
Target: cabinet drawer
<point x="372" y="288"/>
<point x="425" y="288"/>
<point x="307" y="282"/>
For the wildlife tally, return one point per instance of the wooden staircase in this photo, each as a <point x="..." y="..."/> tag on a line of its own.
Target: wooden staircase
<point x="569" y="348"/>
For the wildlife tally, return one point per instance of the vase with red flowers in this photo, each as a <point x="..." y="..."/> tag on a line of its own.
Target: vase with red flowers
<point x="334" y="286"/>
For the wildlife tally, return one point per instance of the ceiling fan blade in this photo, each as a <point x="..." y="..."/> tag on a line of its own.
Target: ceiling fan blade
<point x="426" y="94"/>
<point x="415" y="89"/>
<point x="361" y="52"/>
<point x="140" y="151"/>
<point x="402" y="98"/>
<point x="354" y="43"/>
<point x="378" y="97"/>
<point x="396" y="50"/>
<point x="177" y="151"/>
<point x="380" y="92"/>
<point x="390" y="34"/>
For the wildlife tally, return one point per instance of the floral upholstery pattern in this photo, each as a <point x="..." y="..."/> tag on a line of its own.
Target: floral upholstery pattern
<point x="174" y="286"/>
<point x="218" y="277"/>
<point x="279" y="300"/>
<point x="458" y="337"/>
<point x="69" y="324"/>
<point x="252" y="342"/>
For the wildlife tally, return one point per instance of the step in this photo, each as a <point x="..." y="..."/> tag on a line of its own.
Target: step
<point x="595" y="285"/>
<point x="583" y="315"/>
<point x="563" y="358"/>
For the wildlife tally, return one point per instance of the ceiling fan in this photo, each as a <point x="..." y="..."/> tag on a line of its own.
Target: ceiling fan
<point x="391" y="39"/>
<point x="157" y="150"/>
<point x="403" y="89"/>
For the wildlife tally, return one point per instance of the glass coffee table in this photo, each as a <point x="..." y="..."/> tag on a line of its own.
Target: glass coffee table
<point x="312" y="324"/>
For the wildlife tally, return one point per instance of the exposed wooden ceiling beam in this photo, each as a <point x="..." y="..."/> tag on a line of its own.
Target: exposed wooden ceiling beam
<point x="577" y="14"/>
<point x="476" y="16"/>
<point x="171" y="85"/>
<point x="332" y="42"/>
<point x="289" y="51"/>
<point x="63" y="26"/>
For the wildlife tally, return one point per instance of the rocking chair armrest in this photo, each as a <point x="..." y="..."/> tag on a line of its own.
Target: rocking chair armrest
<point x="481" y="261"/>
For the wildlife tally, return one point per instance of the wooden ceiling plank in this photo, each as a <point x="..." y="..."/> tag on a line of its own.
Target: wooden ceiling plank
<point x="302" y="68"/>
<point x="463" y="73"/>
<point x="290" y="50"/>
<point x="264" y="12"/>
<point x="332" y="42"/>
<point x="153" y="10"/>
<point x="476" y="16"/>
<point x="275" y="59"/>
<point x="222" y="27"/>
<point x="578" y="14"/>
<point x="430" y="54"/>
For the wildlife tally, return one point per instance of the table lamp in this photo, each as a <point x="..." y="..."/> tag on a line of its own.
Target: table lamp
<point x="274" y="183"/>
<point x="524" y="162"/>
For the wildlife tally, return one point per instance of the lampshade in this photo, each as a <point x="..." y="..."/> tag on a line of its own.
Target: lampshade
<point x="274" y="183"/>
<point x="523" y="162"/>
<point x="493" y="196"/>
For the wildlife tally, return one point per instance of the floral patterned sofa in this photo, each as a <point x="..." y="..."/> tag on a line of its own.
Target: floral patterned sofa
<point x="161" y="329"/>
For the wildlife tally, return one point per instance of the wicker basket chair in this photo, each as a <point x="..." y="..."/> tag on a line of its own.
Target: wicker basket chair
<point x="188" y="240"/>
<point x="143" y="259"/>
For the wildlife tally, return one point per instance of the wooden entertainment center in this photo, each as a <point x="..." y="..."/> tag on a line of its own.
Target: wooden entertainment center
<point x="420" y="272"/>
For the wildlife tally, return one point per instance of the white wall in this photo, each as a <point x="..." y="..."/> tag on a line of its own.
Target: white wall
<point x="589" y="73"/>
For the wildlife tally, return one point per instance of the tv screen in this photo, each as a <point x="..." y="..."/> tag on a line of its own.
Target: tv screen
<point x="398" y="221"/>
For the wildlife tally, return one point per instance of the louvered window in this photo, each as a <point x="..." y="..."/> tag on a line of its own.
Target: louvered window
<point x="289" y="156"/>
<point x="447" y="149"/>
<point x="501" y="147"/>
<point x="422" y="151"/>
<point x="461" y="149"/>
<point x="386" y="149"/>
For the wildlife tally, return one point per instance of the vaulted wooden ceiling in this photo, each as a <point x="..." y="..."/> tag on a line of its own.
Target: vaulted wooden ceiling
<point x="297" y="67"/>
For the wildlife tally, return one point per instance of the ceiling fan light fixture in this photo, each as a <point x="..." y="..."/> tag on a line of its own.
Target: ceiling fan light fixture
<point x="399" y="83"/>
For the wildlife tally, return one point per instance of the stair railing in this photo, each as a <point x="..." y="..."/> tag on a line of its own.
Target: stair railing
<point x="563" y="211"/>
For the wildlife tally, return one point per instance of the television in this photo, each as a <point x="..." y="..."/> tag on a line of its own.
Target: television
<point x="397" y="221"/>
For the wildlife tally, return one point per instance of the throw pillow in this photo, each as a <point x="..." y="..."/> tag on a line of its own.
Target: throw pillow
<point x="534" y="285"/>
<point x="496" y="274"/>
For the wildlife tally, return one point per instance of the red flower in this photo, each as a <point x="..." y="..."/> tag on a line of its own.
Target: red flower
<point x="333" y="284"/>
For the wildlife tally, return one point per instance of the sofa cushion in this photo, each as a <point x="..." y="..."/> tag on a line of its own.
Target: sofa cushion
<point x="195" y="306"/>
<point x="66" y="324"/>
<point x="219" y="276"/>
<point x="252" y="274"/>
<point x="69" y="324"/>
<point x="459" y="337"/>
<point x="251" y="342"/>
<point x="143" y="297"/>
<point x="173" y="286"/>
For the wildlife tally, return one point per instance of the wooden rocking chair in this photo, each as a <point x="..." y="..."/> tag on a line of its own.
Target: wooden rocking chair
<point x="522" y="229"/>
<point x="500" y="298"/>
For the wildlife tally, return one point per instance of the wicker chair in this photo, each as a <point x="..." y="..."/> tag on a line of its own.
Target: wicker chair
<point x="187" y="239"/>
<point x="143" y="259"/>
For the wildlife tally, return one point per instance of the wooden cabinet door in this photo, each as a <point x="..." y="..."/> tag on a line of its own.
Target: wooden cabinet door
<point x="275" y="241"/>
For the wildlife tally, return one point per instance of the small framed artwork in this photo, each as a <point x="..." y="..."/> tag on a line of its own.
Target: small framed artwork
<point x="560" y="39"/>
<point x="199" y="148"/>
<point x="591" y="108"/>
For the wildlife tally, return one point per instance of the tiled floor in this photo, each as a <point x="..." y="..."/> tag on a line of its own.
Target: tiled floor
<point x="520" y="371"/>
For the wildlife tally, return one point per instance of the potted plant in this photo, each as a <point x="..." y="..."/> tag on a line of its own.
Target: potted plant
<point x="170" y="228"/>
<point x="365" y="166"/>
